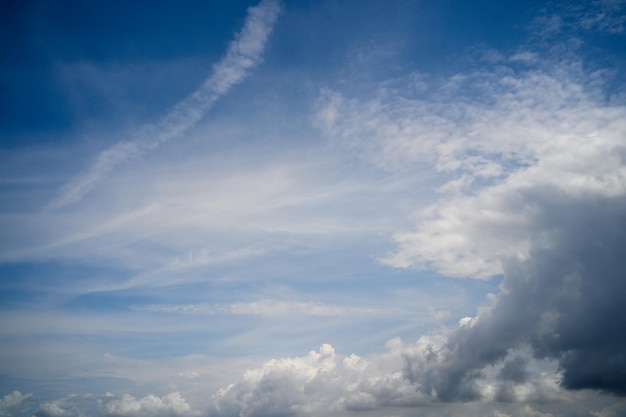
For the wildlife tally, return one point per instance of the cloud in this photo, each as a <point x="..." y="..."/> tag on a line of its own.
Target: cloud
<point x="62" y="407"/>
<point x="10" y="403"/>
<point x="533" y="165"/>
<point x="554" y="229"/>
<point x="171" y="405"/>
<point x="321" y="382"/>
<point x="244" y="53"/>
<point x="264" y="307"/>
<point x="324" y="382"/>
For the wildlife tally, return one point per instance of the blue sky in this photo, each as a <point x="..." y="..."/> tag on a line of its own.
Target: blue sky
<point x="339" y="208"/>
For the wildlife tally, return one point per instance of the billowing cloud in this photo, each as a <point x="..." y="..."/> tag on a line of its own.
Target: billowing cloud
<point x="535" y="189"/>
<point x="324" y="382"/>
<point x="555" y="229"/>
<point x="61" y="407"/>
<point x="107" y="405"/>
<point x="499" y="144"/>
<point x="243" y="54"/>
<point x="321" y="382"/>
<point x="171" y="405"/>
<point x="10" y="403"/>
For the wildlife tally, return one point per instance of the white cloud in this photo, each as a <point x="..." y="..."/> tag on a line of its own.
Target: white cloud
<point x="264" y="307"/>
<point x="207" y="210"/>
<point x="471" y="235"/>
<point x="62" y="407"/>
<point x="171" y="405"/>
<point x="10" y="402"/>
<point x="321" y="382"/>
<point x="504" y="139"/>
<point x="244" y="53"/>
<point x="533" y="166"/>
<point x="326" y="382"/>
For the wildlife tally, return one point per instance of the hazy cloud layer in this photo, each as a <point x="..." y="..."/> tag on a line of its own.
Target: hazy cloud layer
<point x="260" y="308"/>
<point x="320" y="382"/>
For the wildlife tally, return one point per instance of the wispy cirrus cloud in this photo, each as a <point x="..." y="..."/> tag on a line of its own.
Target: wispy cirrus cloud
<point x="244" y="53"/>
<point x="264" y="307"/>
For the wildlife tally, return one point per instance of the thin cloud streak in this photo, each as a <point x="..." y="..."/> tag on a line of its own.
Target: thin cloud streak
<point x="244" y="53"/>
<point x="260" y="308"/>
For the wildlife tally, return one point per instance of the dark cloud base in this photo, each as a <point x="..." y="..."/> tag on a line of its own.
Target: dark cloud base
<point x="566" y="302"/>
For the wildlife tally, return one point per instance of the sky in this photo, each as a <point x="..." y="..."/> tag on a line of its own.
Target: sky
<point x="399" y="208"/>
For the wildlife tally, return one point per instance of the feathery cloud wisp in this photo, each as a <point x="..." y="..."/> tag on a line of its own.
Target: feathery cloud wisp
<point x="244" y="53"/>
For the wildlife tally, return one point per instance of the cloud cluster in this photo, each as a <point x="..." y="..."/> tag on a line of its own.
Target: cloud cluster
<point x="171" y="405"/>
<point x="321" y="382"/>
<point x="504" y="142"/>
<point x="10" y="403"/>
<point x="324" y="382"/>
<point x="536" y="191"/>
<point x="112" y="405"/>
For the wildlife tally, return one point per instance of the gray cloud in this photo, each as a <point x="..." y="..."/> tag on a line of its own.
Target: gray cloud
<point x="534" y="163"/>
<point x="565" y="301"/>
<point x="322" y="382"/>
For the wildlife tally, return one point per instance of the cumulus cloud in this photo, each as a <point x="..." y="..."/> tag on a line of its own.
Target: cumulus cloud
<point x="108" y="405"/>
<point x="533" y="164"/>
<point x="325" y="382"/>
<point x="555" y="230"/>
<point x="10" y="403"/>
<point x="62" y="407"/>
<point x="171" y="405"/>
<point x="244" y="53"/>
<point x="526" y="411"/>
<point x="321" y="382"/>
